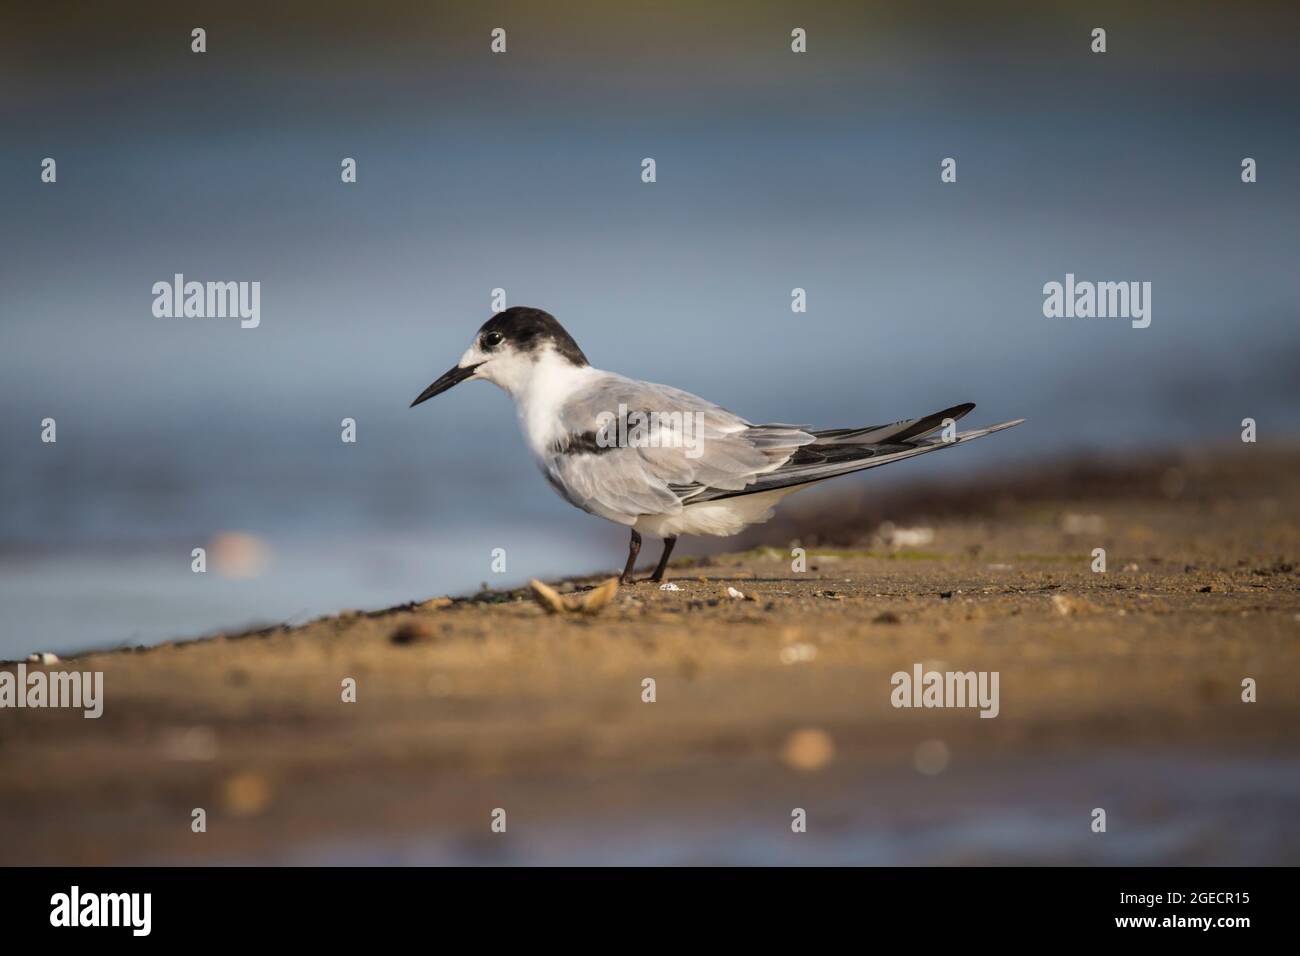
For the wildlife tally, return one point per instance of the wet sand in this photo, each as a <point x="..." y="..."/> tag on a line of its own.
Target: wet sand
<point x="1120" y="690"/>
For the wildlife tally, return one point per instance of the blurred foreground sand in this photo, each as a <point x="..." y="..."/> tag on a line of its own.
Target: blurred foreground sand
<point x="1119" y="690"/>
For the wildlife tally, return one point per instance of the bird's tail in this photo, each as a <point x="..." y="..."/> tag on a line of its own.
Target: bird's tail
<point x="840" y="451"/>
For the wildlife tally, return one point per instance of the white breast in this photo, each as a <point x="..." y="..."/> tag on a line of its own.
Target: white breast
<point x="540" y="395"/>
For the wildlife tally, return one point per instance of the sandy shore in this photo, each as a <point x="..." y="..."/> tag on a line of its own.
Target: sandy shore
<point x="1119" y="690"/>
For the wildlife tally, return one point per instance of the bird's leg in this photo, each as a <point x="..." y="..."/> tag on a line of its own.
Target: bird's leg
<point x="663" y="560"/>
<point x="633" y="549"/>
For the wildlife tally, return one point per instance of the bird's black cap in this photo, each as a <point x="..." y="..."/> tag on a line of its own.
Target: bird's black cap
<point x="529" y="330"/>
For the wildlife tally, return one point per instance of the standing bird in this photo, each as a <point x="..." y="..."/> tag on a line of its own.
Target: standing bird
<point x="657" y="459"/>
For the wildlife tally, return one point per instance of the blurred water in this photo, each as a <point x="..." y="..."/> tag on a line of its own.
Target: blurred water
<point x="522" y="172"/>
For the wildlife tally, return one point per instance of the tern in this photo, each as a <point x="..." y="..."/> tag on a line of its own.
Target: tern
<point x="659" y="460"/>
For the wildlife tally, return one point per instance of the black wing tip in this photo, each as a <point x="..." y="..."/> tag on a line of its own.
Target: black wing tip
<point x="923" y="426"/>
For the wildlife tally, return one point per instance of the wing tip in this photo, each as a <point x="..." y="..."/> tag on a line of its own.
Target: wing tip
<point x="989" y="429"/>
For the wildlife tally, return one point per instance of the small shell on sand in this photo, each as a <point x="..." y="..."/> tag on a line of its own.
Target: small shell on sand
<point x="548" y="597"/>
<point x="597" y="598"/>
<point x="584" y="602"/>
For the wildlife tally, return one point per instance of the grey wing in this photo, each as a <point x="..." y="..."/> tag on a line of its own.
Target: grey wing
<point x="694" y="445"/>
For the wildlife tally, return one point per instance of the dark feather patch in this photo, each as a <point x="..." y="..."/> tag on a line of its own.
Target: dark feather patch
<point x="585" y="444"/>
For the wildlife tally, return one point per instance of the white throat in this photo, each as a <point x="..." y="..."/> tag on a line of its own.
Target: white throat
<point x="539" y="387"/>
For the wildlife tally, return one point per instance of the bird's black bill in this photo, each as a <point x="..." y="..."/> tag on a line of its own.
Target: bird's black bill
<point x="449" y="378"/>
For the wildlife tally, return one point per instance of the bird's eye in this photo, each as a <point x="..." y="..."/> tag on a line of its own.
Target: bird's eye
<point x="492" y="340"/>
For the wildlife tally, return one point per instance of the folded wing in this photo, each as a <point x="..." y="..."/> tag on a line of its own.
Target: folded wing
<point x="699" y="451"/>
<point x="693" y="445"/>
